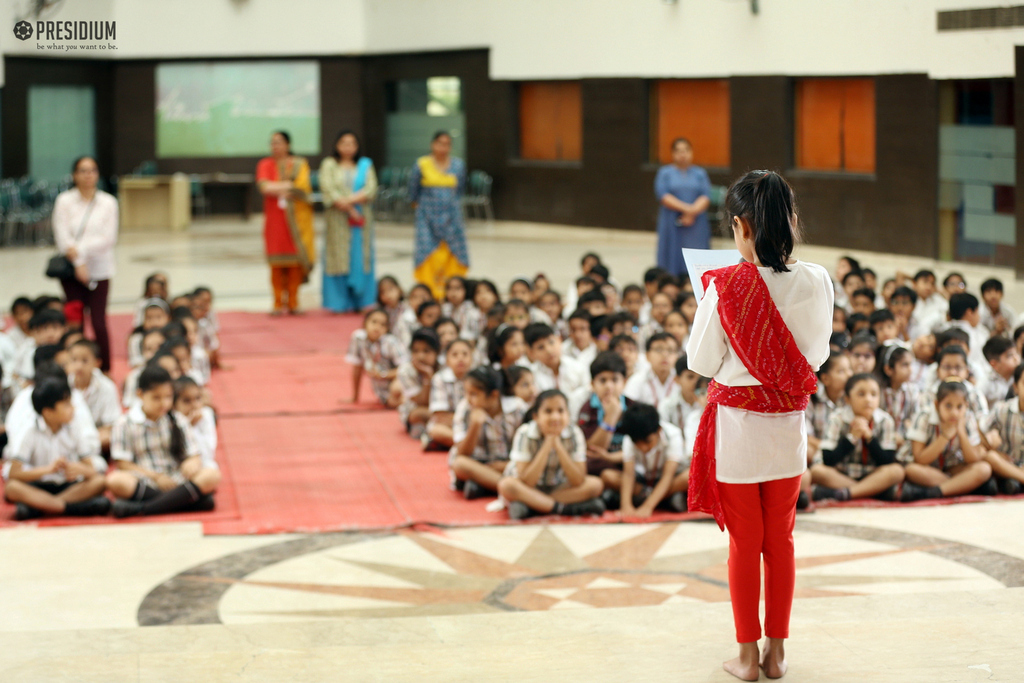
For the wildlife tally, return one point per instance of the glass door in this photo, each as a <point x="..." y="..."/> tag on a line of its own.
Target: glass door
<point x="61" y="127"/>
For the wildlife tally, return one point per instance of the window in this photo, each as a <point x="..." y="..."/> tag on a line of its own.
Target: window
<point x="835" y="124"/>
<point x="695" y="110"/>
<point x="550" y="121"/>
<point x="418" y="108"/>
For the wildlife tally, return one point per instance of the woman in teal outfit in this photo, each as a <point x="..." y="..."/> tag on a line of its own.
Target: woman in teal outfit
<point x="349" y="184"/>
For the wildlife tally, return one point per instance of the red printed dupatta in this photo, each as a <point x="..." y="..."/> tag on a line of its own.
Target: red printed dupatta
<point x="765" y="346"/>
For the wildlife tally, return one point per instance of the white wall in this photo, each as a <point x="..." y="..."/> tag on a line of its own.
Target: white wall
<point x="563" y="38"/>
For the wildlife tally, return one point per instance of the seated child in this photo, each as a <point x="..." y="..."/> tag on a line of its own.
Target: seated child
<point x="899" y="396"/>
<point x="519" y="382"/>
<point x="411" y="388"/>
<point x="964" y="314"/>
<point x="597" y="411"/>
<point x="99" y="391"/>
<point x="951" y="363"/>
<point x="859" y="447"/>
<point x="669" y="285"/>
<point x="883" y="326"/>
<point x="862" y="353"/>
<point x="661" y="305"/>
<point x="521" y="289"/>
<point x="44" y="328"/>
<point x="53" y="469"/>
<point x="189" y="408"/>
<point x="1002" y="359"/>
<point x="178" y="347"/>
<point x="458" y="307"/>
<point x="547" y="471"/>
<point x="656" y="383"/>
<point x="427" y="315"/>
<point x="676" y="325"/>
<point x="391" y="299"/>
<point x="151" y="343"/>
<point x="485" y="422"/>
<point x="517" y="313"/>
<point x="446" y="390"/>
<point x="209" y="325"/>
<point x="863" y="301"/>
<point x="21" y="314"/>
<point x="408" y="322"/>
<point x="506" y="347"/>
<point x="373" y="351"/>
<point x="838" y="319"/>
<point x="1006" y="419"/>
<point x="552" y="370"/>
<point x="159" y="465"/>
<point x="200" y="359"/>
<point x="996" y="316"/>
<point x="832" y="377"/>
<point x="901" y="303"/>
<point x="686" y="302"/>
<point x="943" y="454"/>
<point x="857" y="324"/>
<point x="633" y="300"/>
<point x="677" y="407"/>
<point x="651" y="278"/>
<point x="594" y="303"/>
<point x="655" y="469"/>
<point x="155" y="288"/>
<point x="626" y="346"/>
<point x="486" y="297"/>
<point x="852" y="281"/>
<point x="447" y="332"/>
<point x="550" y="302"/>
<point x="581" y="346"/>
<point x="155" y="316"/>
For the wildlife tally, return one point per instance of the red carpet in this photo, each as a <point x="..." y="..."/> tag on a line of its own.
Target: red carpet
<point x="296" y="457"/>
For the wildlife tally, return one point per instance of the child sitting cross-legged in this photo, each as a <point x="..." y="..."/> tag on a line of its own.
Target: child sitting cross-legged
<point x="1003" y="359"/>
<point x="656" y="384"/>
<point x="1007" y="419"/>
<point x="859" y="447"/>
<point x="547" y="470"/>
<point x="655" y="469"/>
<point x="160" y="467"/>
<point x="506" y="347"/>
<point x="50" y="469"/>
<point x="446" y="390"/>
<point x="411" y="388"/>
<point x="99" y="391"/>
<point x="484" y="424"/>
<point x="552" y="370"/>
<point x="682" y="403"/>
<point x="943" y="453"/>
<point x="373" y="350"/>
<point x="599" y="409"/>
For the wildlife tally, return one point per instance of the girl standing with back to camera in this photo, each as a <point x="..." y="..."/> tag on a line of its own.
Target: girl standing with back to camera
<point x="761" y="331"/>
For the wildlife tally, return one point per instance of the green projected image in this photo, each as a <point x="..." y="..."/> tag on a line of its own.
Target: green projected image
<point x="216" y="109"/>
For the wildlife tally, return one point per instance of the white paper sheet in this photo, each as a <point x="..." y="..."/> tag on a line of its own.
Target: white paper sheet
<point x="700" y="261"/>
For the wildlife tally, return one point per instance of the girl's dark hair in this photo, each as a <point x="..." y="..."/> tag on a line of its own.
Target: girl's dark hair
<point x="155" y="277"/>
<point x="826" y="367"/>
<point x="181" y="313"/>
<point x="460" y="340"/>
<point x="182" y="384"/>
<point x="174" y="343"/>
<point x="440" y="134"/>
<point x="488" y="285"/>
<point x="858" y="378"/>
<point x="513" y="374"/>
<point x="392" y="280"/>
<point x="359" y="145"/>
<point x="543" y="396"/>
<point x="765" y="200"/>
<point x="174" y="329"/>
<point x="950" y="386"/>
<point x="153" y="376"/>
<point x="284" y="134"/>
<point x="486" y="378"/>
<point x="372" y="311"/>
<point x="497" y="339"/>
<point x="461" y="280"/>
<point x="888" y="356"/>
<point x="446" y="321"/>
<point x="1017" y="373"/>
<point x="427" y="336"/>
<point x="147" y="333"/>
<point x="862" y="338"/>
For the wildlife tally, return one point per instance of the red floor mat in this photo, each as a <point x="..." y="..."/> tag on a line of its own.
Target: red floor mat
<point x="297" y="457"/>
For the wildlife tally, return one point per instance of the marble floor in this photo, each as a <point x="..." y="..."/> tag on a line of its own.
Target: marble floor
<point x="883" y="594"/>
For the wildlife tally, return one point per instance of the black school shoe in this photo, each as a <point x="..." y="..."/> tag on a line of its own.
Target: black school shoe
<point x="989" y="488"/>
<point x="676" y="502"/>
<point x="24" y="512"/>
<point x="92" y="507"/>
<point x="517" y="510"/>
<point x="473" y="490"/>
<point x="803" y="501"/>
<point x="126" y="508"/>
<point x="594" y="506"/>
<point x="1009" y="487"/>
<point x="890" y="495"/>
<point x="912" y="492"/>
<point x="611" y="499"/>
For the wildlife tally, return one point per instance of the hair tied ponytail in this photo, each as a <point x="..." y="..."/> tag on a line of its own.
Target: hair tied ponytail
<point x="766" y="201"/>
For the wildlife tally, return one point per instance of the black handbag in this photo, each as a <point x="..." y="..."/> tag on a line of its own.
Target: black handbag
<point x="60" y="266"/>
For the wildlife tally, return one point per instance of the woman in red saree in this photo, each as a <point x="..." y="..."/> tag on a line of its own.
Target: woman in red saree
<point x="761" y="331"/>
<point x="284" y="182"/>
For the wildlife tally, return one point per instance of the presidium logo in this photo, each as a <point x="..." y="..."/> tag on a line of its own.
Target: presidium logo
<point x="61" y="35"/>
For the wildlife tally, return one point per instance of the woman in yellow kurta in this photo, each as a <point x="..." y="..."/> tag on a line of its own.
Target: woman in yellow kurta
<point x="436" y="186"/>
<point x="284" y="181"/>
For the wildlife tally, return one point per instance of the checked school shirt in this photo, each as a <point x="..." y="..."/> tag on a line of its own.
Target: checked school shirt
<point x="147" y="443"/>
<point x="859" y="462"/>
<point x="924" y="428"/>
<point x="528" y="441"/>
<point x="383" y="355"/>
<point x="495" y="437"/>
<point x="1006" y="418"/>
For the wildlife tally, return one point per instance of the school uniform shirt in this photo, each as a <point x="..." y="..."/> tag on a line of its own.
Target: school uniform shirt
<point x="819" y="409"/>
<point x="131" y="384"/>
<point x="852" y="456"/>
<point x="988" y="321"/>
<point x="16" y="335"/>
<point x="39" y="446"/>
<point x="582" y="356"/>
<point x="645" y="313"/>
<point x="753" y="447"/>
<point x="528" y="440"/>
<point x="1006" y="419"/>
<point x="466" y="316"/>
<point x="207" y="329"/>
<point x="648" y="330"/>
<point x="395" y="314"/>
<point x="446" y="390"/>
<point x="495" y="437"/>
<point x="930" y="312"/>
<point x="147" y="443"/>
<point x="649" y="466"/>
<point x="204" y="433"/>
<point x="675" y="409"/>
<point x="591" y="414"/>
<point x="201" y="364"/>
<point x="924" y="428"/>
<point x="24" y="368"/>
<point x="383" y="355"/>
<point x="900" y="404"/>
<point x="412" y="383"/>
<point x="571" y="376"/>
<point x="994" y="387"/>
<point x="975" y="400"/>
<point x="645" y="387"/>
<point x="21" y="416"/>
<point x="102" y="398"/>
<point x="978" y="335"/>
<point x="406" y="325"/>
<point x="8" y="354"/>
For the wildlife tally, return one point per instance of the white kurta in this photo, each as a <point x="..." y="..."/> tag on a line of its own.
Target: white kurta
<point x="754" y="447"/>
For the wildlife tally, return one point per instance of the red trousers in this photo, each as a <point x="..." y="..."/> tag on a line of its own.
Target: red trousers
<point x="760" y="520"/>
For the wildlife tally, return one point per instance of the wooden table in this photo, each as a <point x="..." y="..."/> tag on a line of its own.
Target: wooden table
<point x="242" y="184"/>
<point x="155" y="202"/>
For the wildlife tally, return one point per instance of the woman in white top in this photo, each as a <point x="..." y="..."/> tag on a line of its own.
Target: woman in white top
<point x="760" y="332"/>
<point x="85" y="224"/>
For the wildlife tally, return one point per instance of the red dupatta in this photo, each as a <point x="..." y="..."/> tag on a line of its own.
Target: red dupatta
<point x="765" y="346"/>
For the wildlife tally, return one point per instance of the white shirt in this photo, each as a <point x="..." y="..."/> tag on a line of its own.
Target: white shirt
<point x="652" y="463"/>
<point x="988" y="321"/>
<point x="98" y="237"/>
<point x="102" y="399"/>
<point x="930" y="312"/>
<point x="204" y="433"/>
<point x="647" y="388"/>
<point x="39" y="447"/>
<point x="8" y="354"/>
<point x="582" y="356"/>
<point x="22" y="416"/>
<point x="571" y="376"/>
<point x="754" y="447"/>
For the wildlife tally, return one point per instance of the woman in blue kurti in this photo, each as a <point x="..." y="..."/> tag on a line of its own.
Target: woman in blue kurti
<point x="349" y="185"/>
<point x="435" y="187"/>
<point x="683" y="190"/>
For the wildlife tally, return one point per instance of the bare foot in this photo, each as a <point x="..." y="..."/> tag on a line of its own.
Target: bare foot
<point x="773" y="661"/>
<point x="744" y="667"/>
